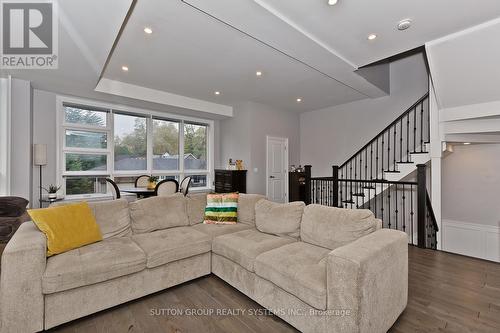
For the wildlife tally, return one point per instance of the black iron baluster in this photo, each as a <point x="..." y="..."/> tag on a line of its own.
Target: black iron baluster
<point x="408" y="137"/>
<point x="412" y="213"/>
<point x="376" y="161"/>
<point x="395" y="136"/>
<point x="422" y="127"/>
<point x="371" y="161"/>
<point x="389" y="206"/>
<point x="415" y="129"/>
<point x="404" y="209"/>
<point x="388" y="150"/>
<point x="401" y="140"/>
<point x="396" y="204"/>
<point x="382" y="155"/>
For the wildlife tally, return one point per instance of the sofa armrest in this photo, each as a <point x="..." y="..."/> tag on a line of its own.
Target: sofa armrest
<point x="369" y="278"/>
<point x="23" y="264"/>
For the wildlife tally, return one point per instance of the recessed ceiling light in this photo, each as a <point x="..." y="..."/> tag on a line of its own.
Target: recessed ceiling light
<point x="372" y="36"/>
<point x="299" y="100"/>
<point x="217" y="92"/>
<point x="258" y="73"/>
<point x="148" y="30"/>
<point x="125" y="68"/>
<point x="466" y="143"/>
<point x="332" y="2"/>
<point x="404" y="24"/>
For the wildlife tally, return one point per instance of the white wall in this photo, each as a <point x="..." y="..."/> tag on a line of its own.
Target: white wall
<point x="44" y="132"/>
<point x="21" y="139"/>
<point x="244" y="137"/>
<point x="4" y="136"/>
<point x="471" y="201"/>
<point x="332" y="135"/>
<point x="470" y="184"/>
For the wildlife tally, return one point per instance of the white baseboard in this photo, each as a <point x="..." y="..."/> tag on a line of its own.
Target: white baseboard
<point x="471" y="239"/>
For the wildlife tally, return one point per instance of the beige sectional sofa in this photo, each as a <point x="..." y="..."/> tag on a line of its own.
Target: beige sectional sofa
<point x="321" y="269"/>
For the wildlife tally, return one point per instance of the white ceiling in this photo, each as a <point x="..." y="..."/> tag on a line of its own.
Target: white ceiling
<point x="305" y="49"/>
<point x="345" y="27"/>
<point x="466" y="66"/>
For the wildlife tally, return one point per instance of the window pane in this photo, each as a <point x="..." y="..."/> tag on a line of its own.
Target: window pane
<point x="84" y="139"/>
<point x="85" y="162"/>
<point x="82" y="116"/>
<point x="176" y="177"/>
<point x="165" y="145"/>
<point x="130" y="142"/>
<point x="85" y="185"/>
<point x="195" y="147"/>
<point x="198" y="181"/>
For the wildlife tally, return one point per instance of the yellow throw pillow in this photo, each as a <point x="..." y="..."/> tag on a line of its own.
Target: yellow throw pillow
<point x="67" y="227"/>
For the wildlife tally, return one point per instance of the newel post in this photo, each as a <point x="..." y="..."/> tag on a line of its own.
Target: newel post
<point x="335" y="175"/>
<point x="421" y="202"/>
<point x="307" y="169"/>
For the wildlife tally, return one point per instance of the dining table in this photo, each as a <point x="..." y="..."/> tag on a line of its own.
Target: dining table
<point x="141" y="192"/>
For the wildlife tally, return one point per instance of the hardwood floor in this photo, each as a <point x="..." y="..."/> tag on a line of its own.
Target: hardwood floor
<point x="447" y="293"/>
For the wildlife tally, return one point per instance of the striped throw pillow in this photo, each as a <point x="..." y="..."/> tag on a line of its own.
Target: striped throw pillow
<point x="221" y="208"/>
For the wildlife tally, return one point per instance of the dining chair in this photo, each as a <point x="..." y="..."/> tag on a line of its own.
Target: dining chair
<point x="114" y="189"/>
<point x="142" y="181"/>
<point x="166" y="187"/>
<point x="185" y="183"/>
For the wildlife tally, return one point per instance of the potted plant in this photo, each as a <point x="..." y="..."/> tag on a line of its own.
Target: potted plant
<point x="52" y="191"/>
<point x="152" y="182"/>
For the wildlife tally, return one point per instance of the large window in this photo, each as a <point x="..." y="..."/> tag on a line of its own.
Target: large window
<point x="100" y="142"/>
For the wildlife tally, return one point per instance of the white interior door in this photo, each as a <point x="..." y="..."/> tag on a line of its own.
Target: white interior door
<point x="277" y="169"/>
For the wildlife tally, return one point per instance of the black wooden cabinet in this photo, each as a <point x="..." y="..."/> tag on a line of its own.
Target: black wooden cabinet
<point x="230" y="181"/>
<point x="297" y="186"/>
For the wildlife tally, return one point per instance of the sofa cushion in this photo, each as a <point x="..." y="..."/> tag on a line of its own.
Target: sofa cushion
<point x="244" y="246"/>
<point x="297" y="268"/>
<point x="164" y="246"/>
<point x="94" y="263"/>
<point x="158" y="213"/>
<point x="246" y="207"/>
<point x="196" y="203"/>
<point x="214" y="230"/>
<point x="279" y="219"/>
<point x="332" y="227"/>
<point x="112" y="216"/>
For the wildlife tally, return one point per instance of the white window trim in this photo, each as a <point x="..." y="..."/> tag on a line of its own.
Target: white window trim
<point x="150" y="114"/>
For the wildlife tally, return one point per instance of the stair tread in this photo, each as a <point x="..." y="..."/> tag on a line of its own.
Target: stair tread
<point x="358" y="194"/>
<point x="404" y="162"/>
<point x="419" y="152"/>
<point x="392" y="171"/>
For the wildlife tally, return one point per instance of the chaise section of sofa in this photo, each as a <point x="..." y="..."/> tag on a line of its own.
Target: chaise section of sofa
<point x="335" y="278"/>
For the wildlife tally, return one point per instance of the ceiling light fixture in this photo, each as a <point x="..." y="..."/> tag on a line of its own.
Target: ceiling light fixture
<point x="332" y="2"/>
<point x="258" y="73"/>
<point x="372" y="36"/>
<point x="466" y="143"/>
<point x="299" y="100"/>
<point x="148" y="30"/>
<point x="404" y="24"/>
<point x="125" y="68"/>
<point x="217" y="92"/>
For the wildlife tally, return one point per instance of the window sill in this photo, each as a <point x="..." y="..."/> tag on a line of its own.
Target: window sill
<point x="88" y="197"/>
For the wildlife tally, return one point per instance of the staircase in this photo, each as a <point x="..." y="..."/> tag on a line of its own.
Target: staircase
<point x="387" y="176"/>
